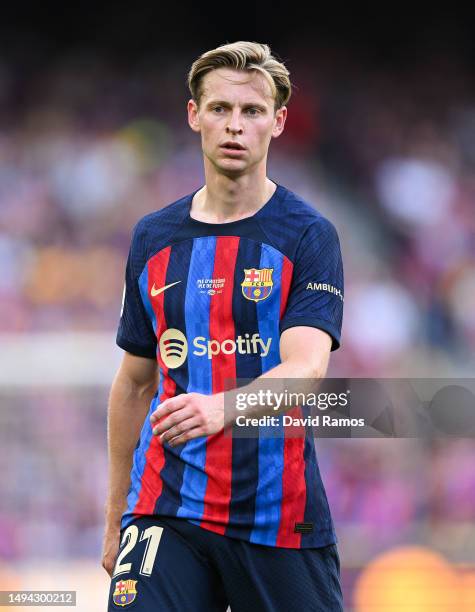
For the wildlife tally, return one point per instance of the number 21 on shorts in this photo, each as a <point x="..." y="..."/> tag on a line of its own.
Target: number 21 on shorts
<point x="129" y="540"/>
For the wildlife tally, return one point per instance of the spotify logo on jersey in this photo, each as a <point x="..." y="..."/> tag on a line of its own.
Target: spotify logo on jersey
<point x="173" y="348"/>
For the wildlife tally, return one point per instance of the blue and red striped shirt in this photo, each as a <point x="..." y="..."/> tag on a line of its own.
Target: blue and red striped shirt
<point x="209" y="302"/>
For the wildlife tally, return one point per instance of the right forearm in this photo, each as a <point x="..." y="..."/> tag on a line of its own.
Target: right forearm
<point x="128" y="407"/>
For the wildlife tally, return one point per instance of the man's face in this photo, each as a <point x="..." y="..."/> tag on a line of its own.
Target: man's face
<point x="236" y="106"/>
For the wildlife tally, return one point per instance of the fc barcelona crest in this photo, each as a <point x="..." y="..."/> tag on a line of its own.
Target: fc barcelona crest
<point x="257" y="284"/>
<point x="125" y="592"/>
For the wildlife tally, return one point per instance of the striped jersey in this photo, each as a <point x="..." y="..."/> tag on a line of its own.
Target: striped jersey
<point x="209" y="302"/>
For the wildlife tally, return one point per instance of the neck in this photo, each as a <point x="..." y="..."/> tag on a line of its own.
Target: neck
<point x="224" y="199"/>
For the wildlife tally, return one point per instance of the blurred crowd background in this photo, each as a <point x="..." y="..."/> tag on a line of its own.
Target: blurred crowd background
<point x="89" y="148"/>
<point x="384" y="147"/>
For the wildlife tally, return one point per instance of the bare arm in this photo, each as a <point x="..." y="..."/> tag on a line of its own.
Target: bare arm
<point x="304" y="352"/>
<point x="131" y="393"/>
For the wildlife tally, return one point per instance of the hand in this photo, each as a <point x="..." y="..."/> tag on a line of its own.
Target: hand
<point x="110" y="548"/>
<point x="188" y="416"/>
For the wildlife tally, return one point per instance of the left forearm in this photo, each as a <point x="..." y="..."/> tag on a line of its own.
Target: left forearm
<point x="272" y="391"/>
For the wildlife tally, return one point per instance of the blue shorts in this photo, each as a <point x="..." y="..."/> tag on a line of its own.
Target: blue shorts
<point x="170" y="565"/>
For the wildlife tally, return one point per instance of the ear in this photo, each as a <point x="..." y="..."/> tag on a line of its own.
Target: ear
<point x="279" y="121"/>
<point x="193" y="116"/>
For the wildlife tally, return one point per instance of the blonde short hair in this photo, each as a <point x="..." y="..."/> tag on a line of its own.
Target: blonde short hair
<point x="245" y="56"/>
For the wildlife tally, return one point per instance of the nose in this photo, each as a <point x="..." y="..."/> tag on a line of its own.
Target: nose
<point x="234" y="125"/>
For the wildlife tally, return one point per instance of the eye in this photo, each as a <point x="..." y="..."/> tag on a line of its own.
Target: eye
<point x="217" y="108"/>
<point x="253" y="111"/>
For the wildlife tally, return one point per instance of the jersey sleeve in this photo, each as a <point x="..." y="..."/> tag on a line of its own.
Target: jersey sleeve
<point x="135" y="333"/>
<point x="316" y="292"/>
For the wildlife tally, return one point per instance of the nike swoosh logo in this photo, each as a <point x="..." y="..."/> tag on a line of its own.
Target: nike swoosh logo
<point x="154" y="292"/>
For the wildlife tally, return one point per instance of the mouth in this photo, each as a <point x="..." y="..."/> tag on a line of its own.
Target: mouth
<point x="233" y="150"/>
<point x="232" y="146"/>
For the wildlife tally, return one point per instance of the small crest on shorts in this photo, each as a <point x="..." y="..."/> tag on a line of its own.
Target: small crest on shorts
<point x="257" y="284"/>
<point x="125" y="592"/>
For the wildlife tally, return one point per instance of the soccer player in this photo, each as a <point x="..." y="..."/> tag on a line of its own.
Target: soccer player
<point x="240" y="279"/>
